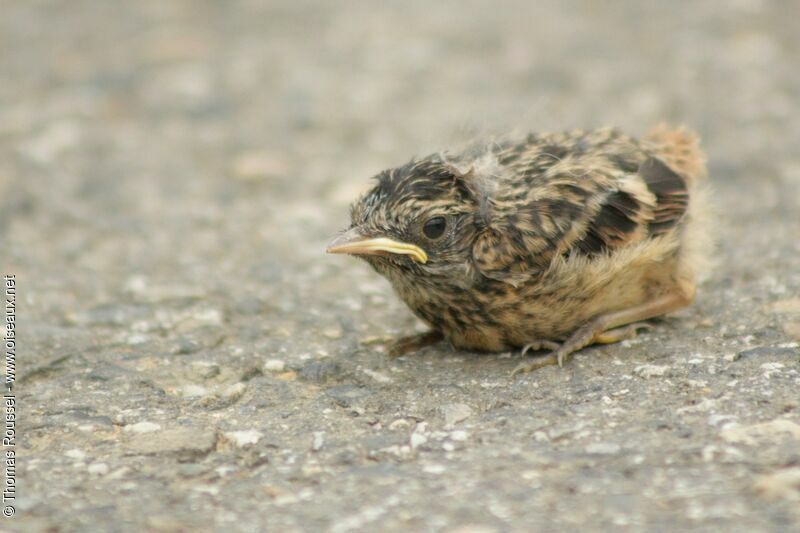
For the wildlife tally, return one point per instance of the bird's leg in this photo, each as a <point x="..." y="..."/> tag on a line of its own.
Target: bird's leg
<point x="608" y="327"/>
<point x="412" y="343"/>
<point x="535" y="363"/>
<point x="610" y="336"/>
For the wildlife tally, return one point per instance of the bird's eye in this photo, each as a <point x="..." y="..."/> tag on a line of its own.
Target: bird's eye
<point x="434" y="228"/>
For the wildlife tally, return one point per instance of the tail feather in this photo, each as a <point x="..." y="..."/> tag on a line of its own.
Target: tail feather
<point x="680" y="149"/>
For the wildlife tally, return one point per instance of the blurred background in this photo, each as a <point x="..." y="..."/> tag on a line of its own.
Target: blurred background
<point x="170" y="173"/>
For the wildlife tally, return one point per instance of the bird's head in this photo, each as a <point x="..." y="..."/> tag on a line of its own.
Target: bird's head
<point x="419" y="221"/>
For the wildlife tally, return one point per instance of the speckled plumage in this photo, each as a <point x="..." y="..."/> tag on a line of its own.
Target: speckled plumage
<point x="556" y="237"/>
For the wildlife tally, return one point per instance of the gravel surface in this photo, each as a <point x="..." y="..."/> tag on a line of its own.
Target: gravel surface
<point x="190" y="359"/>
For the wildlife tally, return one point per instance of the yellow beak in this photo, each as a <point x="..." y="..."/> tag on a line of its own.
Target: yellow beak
<point x="355" y="243"/>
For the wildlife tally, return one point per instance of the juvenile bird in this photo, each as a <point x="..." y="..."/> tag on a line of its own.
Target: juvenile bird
<point x="554" y="241"/>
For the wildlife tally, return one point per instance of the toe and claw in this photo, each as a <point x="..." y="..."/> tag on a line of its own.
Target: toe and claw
<point x="592" y="333"/>
<point x="412" y="343"/>
<point x="614" y="327"/>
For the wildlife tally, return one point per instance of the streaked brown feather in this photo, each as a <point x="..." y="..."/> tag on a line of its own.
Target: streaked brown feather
<point x="550" y="231"/>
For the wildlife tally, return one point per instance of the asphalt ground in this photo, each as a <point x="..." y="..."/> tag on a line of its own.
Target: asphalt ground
<point x="190" y="359"/>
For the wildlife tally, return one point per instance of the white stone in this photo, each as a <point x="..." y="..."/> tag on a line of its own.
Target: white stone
<point x="210" y="316"/>
<point x="399" y="424"/>
<point x="650" y="371"/>
<point x="603" y="448"/>
<point x="459" y="435"/>
<point x="377" y="376"/>
<point x="142" y="427"/>
<point x="194" y="391"/>
<point x="98" y="469"/>
<point x="75" y="453"/>
<point x="455" y="413"/>
<point x="319" y="440"/>
<point x="274" y="365"/>
<point x="234" y="391"/>
<point x="417" y="439"/>
<point x="434" y="469"/>
<point x="244" y="438"/>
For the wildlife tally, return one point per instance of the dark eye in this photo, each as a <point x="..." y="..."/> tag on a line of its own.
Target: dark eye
<point x="434" y="228"/>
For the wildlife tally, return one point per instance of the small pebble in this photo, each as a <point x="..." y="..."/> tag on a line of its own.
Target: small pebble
<point x="650" y="371"/>
<point x="234" y="392"/>
<point x="377" y="376"/>
<point x="603" y="448"/>
<point x="434" y="469"/>
<point x="459" y="435"/>
<point x="333" y="333"/>
<point x="319" y="371"/>
<point x="455" y="413"/>
<point x="142" y="427"/>
<point x="243" y="438"/>
<point x="98" y="469"/>
<point x="193" y="391"/>
<point x="417" y="440"/>
<point x="319" y="440"/>
<point x="400" y="423"/>
<point x="274" y="365"/>
<point x="75" y="453"/>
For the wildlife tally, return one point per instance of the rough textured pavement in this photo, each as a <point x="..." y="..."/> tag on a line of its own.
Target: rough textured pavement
<point x="190" y="359"/>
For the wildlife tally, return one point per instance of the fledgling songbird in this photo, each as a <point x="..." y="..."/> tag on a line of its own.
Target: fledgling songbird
<point x="556" y="241"/>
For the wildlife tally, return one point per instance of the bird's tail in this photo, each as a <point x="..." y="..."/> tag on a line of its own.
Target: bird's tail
<point x="680" y="149"/>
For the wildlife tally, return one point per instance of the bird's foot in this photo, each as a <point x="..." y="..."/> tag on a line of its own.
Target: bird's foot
<point x="620" y="334"/>
<point x="537" y="362"/>
<point x="412" y="343"/>
<point x="540" y="345"/>
<point x="591" y="333"/>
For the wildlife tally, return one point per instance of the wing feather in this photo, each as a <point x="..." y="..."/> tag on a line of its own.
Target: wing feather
<point x="596" y="199"/>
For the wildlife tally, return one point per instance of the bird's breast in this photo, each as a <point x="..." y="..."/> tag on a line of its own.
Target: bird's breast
<point x="495" y="316"/>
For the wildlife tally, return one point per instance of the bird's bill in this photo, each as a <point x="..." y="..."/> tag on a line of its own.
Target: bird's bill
<point x="356" y="243"/>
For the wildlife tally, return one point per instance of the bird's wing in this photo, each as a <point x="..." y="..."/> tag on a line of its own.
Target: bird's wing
<point x="588" y="206"/>
<point x="631" y="212"/>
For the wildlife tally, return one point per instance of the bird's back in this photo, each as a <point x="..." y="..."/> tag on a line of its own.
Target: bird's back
<point x="581" y="223"/>
<point x="584" y="193"/>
